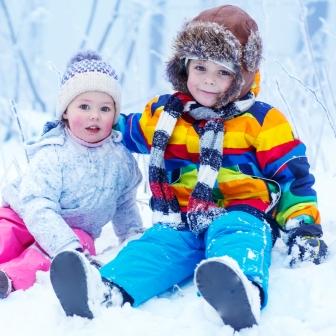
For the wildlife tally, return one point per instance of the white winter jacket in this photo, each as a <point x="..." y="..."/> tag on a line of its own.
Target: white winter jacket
<point x="68" y="185"/>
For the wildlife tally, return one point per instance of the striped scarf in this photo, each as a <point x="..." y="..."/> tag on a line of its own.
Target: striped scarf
<point x="201" y="210"/>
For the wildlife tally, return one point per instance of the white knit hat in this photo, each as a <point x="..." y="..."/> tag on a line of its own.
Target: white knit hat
<point x="85" y="72"/>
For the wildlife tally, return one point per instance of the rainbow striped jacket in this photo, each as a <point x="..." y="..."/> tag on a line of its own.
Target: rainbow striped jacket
<point x="263" y="165"/>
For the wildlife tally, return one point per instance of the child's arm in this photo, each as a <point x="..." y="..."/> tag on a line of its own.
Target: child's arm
<point x="138" y="128"/>
<point x="38" y="203"/>
<point x="127" y="220"/>
<point x="283" y="159"/>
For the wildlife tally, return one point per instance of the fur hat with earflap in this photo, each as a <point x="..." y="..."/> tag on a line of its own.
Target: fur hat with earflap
<point x="226" y="35"/>
<point x="85" y="72"/>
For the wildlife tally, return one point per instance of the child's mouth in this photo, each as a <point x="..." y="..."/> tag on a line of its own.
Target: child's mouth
<point x="208" y="92"/>
<point x="93" y="129"/>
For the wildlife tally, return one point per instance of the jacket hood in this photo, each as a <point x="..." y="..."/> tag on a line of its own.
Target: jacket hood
<point x="54" y="133"/>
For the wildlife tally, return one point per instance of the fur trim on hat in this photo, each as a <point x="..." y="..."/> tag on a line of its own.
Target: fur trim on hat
<point x="252" y="52"/>
<point x="87" y="71"/>
<point x="206" y="41"/>
<point x="212" y="41"/>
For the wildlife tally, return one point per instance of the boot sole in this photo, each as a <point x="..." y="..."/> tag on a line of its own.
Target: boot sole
<point x="5" y="285"/>
<point x="68" y="278"/>
<point x="223" y="289"/>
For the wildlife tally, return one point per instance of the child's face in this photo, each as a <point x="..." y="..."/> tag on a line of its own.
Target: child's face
<point x="90" y="116"/>
<point x="208" y="81"/>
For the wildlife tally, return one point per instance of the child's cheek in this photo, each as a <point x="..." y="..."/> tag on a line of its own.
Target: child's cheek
<point x="77" y="122"/>
<point x="108" y="126"/>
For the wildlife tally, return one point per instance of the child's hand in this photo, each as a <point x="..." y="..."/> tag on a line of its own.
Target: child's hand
<point x="174" y="104"/>
<point x="307" y="248"/>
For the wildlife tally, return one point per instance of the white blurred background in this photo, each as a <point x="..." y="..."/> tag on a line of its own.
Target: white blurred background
<point x="38" y="37"/>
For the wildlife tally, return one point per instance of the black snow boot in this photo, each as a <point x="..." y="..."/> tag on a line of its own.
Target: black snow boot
<point x="5" y="285"/>
<point x="229" y="292"/>
<point x="77" y="284"/>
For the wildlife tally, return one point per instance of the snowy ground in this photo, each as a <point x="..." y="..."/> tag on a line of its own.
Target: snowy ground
<point x="302" y="300"/>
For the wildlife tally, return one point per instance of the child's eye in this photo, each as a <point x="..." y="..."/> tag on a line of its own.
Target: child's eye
<point x="84" y="107"/>
<point x="105" y="109"/>
<point x="224" y="73"/>
<point x="200" y="68"/>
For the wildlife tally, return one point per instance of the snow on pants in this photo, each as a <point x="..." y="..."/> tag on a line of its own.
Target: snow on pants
<point x="20" y="256"/>
<point x="164" y="257"/>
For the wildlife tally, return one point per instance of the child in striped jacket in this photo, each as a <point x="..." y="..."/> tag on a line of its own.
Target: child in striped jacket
<point x="225" y="172"/>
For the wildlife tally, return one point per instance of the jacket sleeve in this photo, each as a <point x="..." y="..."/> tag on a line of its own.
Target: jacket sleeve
<point x="127" y="220"/>
<point x="283" y="159"/>
<point x="138" y="128"/>
<point x="39" y="205"/>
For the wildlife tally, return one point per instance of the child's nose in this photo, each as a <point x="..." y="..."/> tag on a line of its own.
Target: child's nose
<point x="209" y="80"/>
<point x="94" y="115"/>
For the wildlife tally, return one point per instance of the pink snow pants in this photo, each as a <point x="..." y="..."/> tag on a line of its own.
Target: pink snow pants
<point x="20" y="255"/>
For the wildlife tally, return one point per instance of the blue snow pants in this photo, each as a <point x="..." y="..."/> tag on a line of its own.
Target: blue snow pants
<point x="164" y="257"/>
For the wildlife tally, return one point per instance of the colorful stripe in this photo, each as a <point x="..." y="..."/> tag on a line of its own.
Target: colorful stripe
<point x="261" y="158"/>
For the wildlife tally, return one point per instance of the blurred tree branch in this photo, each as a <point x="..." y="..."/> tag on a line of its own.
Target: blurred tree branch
<point x="89" y="24"/>
<point x="109" y="25"/>
<point x="22" y="57"/>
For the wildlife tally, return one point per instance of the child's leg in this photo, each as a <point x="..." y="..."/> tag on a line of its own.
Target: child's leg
<point x="22" y="269"/>
<point x="246" y="239"/>
<point x="161" y="258"/>
<point x="238" y="252"/>
<point x="14" y="236"/>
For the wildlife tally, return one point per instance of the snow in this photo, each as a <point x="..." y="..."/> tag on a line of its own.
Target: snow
<point x="301" y="299"/>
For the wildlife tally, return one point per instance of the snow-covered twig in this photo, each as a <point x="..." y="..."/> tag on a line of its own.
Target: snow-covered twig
<point x="312" y="91"/>
<point x="290" y="112"/>
<point x="178" y="290"/>
<point x="330" y="88"/>
<point x="16" y="117"/>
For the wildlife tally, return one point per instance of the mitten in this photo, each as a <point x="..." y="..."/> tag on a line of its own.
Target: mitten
<point x="174" y="106"/>
<point x="305" y="244"/>
<point x="307" y="248"/>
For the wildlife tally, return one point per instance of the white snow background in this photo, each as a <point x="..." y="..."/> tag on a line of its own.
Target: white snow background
<point x="299" y="39"/>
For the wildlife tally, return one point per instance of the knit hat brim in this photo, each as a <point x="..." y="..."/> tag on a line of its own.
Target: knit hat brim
<point x="88" y="81"/>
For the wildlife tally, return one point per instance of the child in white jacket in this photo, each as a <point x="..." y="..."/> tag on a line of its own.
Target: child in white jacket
<point x="79" y="178"/>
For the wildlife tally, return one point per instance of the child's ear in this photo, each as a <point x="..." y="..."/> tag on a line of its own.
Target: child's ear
<point x="186" y="67"/>
<point x="177" y="74"/>
<point x="65" y="115"/>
